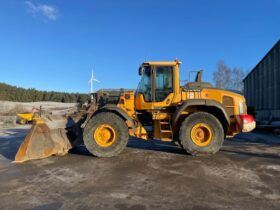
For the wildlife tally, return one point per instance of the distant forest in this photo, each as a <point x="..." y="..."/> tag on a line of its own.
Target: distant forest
<point x="13" y="93"/>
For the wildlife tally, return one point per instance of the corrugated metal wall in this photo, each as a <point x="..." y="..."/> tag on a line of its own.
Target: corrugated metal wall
<point x="262" y="86"/>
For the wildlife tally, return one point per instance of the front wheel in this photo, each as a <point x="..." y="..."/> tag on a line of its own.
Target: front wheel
<point x="105" y="135"/>
<point x="201" y="133"/>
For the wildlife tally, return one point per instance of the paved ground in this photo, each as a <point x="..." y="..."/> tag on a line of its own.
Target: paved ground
<point x="244" y="174"/>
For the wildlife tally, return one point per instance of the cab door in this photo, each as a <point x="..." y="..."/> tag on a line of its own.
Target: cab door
<point x="163" y="87"/>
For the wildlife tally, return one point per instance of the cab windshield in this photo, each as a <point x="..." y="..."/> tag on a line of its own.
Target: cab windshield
<point x="144" y="86"/>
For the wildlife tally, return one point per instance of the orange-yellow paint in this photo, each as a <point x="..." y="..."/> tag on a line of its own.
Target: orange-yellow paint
<point x="201" y="134"/>
<point x="104" y="135"/>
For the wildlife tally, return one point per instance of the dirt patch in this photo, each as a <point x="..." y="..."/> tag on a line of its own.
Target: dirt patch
<point x="13" y="108"/>
<point x="7" y="121"/>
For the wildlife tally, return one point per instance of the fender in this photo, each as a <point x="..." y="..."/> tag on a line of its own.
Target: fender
<point x="118" y="111"/>
<point x="199" y="102"/>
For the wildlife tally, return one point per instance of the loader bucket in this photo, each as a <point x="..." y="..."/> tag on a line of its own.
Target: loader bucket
<point x="44" y="140"/>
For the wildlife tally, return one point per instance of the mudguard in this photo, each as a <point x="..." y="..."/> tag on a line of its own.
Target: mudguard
<point x="120" y="112"/>
<point x="200" y="102"/>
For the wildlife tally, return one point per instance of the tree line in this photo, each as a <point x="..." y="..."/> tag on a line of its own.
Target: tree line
<point x="228" y="78"/>
<point x="13" y="93"/>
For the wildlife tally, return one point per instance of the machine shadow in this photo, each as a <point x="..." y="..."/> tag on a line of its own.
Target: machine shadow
<point x="155" y="145"/>
<point x="252" y="154"/>
<point x="80" y="150"/>
<point x="10" y="143"/>
<point x="274" y="141"/>
<point x="134" y="143"/>
<point x="242" y="145"/>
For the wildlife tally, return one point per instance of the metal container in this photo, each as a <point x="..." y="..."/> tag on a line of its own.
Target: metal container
<point x="262" y="86"/>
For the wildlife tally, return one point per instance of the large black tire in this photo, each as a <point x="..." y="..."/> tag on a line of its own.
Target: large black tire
<point x="121" y="134"/>
<point x="191" y="123"/>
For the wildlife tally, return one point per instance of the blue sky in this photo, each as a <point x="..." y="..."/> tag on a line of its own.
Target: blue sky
<point x="53" y="45"/>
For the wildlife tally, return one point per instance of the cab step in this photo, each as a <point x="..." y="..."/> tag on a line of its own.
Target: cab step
<point x="166" y="133"/>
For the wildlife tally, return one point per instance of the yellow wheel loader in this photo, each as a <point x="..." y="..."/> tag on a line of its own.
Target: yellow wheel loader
<point x="196" y="116"/>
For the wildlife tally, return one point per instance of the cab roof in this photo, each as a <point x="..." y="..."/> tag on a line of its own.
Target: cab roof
<point x="161" y="63"/>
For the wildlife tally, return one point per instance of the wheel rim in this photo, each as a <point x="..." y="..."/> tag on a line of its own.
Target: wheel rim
<point x="201" y="134"/>
<point x="104" y="135"/>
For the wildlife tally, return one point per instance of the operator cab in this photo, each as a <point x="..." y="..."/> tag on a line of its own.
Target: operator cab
<point x="158" y="85"/>
<point x="159" y="89"/>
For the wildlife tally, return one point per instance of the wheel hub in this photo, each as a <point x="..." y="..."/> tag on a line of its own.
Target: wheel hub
<point x="201" y="134"/>
<point x="104" y="135"/>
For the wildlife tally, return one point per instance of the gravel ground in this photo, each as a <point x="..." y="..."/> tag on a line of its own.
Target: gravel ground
<point x="12" y="108"/>
<point x="245" y="174"/>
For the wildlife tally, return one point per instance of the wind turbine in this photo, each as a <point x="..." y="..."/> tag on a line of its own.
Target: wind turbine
<point x="91" y="81"/>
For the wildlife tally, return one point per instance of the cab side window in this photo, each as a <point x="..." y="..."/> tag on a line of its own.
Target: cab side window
<point x="144" y="86"/>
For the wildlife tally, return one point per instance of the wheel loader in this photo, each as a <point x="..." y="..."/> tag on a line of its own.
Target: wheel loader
<point x="196" y="116"/>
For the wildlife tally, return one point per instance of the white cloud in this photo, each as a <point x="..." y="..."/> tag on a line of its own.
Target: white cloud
<point x="48" y="11"/>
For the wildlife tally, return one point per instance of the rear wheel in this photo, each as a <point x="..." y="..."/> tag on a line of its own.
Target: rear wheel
<point x="106" y="135"/>
<point x="201" y="133"/>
